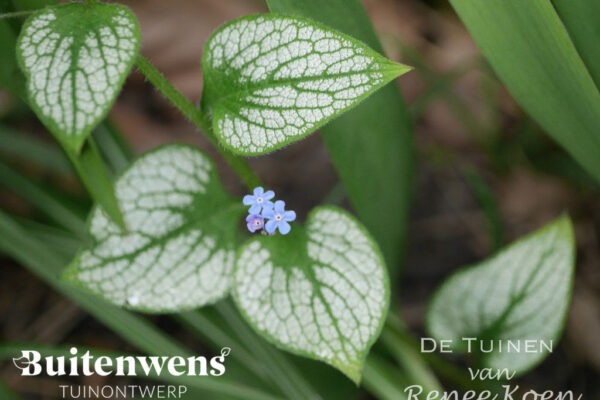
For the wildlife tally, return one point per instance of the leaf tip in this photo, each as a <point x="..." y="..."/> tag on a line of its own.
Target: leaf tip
<point x="352" y="370"/>
<point x="564" y="224"/>
<point x="562" y="229"/>
<point x="397" y="69"/>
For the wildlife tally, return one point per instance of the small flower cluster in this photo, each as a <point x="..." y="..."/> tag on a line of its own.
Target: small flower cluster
<point x="262" y="208"/>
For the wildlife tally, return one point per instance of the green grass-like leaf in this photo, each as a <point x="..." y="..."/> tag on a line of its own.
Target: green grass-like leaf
<point x="531" y="51"/>
<point x="581" y="20"/>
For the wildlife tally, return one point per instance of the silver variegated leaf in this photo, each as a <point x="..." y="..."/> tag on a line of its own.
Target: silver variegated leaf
<point x="321" y="292"/>
<point x="179" y="248"/>
<point x="76" y="57"/>
<point x="272" y="79"/>
<point x="520" y="294"/>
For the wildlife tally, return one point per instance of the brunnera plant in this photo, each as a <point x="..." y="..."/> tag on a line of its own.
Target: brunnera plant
<point x="165" y="237"/>
<point x="321" y="291"/>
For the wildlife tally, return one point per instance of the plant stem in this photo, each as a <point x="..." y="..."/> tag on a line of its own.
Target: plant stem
<point x="195" y="115"/>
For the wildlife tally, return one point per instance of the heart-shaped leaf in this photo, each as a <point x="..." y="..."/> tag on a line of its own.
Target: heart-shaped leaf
<point x="520" y="294"/>
<point x="321" y="292"/>
<point x="76" y="57"/>
<point x="272" y="79"/>
<point x="179" y="249"/>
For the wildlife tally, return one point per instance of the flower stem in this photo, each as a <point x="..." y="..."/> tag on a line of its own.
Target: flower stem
<point x="195" y="115"/>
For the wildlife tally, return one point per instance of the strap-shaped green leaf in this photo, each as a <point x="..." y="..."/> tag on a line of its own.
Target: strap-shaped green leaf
<point x="533" y="54"/>
<point x="179" y="249"/>
<point x="322" y="292"/>
<point x="581" y="20"/>
<point x="522" y="293"/>
<point x="76" y="58"/>
<point x="272" y="79"/>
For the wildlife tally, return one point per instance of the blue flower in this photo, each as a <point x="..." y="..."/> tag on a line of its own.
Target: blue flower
<point x="255" y="222"/>
<point x="278" y="218"/>
<point x="263" y="209"/>
<point x="259" y="201"/>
